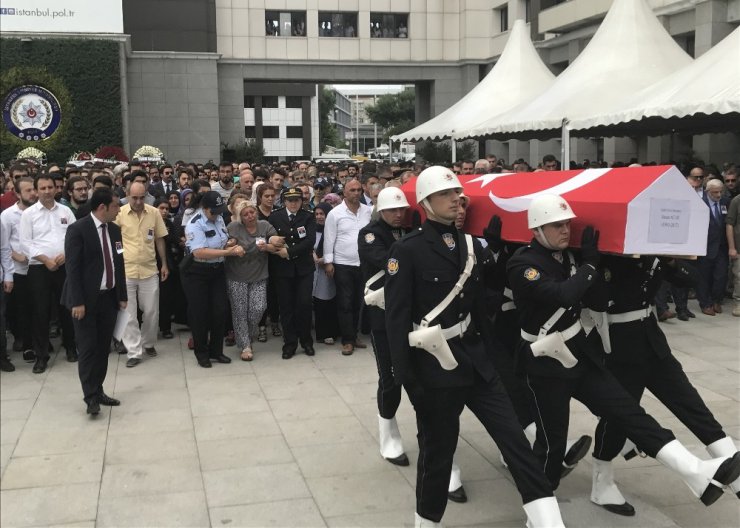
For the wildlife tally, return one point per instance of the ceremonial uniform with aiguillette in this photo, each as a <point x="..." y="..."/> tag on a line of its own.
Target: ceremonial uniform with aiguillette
<point x="373" y="244"/>
<point x="639" y="356"/>
<point x="294" y="275"/>
<point x="560" y="364"/>
<point x="424" y="272"/>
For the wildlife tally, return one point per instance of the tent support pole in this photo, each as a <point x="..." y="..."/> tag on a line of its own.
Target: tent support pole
<point x="454" y="150"/>
<point x="565" y="146"/>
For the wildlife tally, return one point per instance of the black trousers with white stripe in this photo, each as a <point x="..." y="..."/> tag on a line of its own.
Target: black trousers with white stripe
<point x="389" y="394"/>
<point x="598" y="390"/>
<point x="438" y="421"/>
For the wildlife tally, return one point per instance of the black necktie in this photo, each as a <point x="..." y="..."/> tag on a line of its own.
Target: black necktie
<point x="106" y="258"/>
<point x="291" y="217"/>
<point x="166" y="187"/>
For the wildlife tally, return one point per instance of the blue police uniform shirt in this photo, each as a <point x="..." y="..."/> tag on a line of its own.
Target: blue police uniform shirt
<point x="203" y="233"/>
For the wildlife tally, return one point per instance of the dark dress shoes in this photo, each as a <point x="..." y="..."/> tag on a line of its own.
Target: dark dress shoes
<point x="71" y="355"/>
<point x="574" y="455"/>
<point x="458" y="495"/>
<point x="288" y="352"/>
<point x="5" y="364"/>
<point x="309" y="350"/>
<point x="151" y="351"/>
<point x="93" y="407"/>
<point x="401" y="460"/>
<point x="167" y="335"/>
<point x="104" y="399"/>
<point x="683" y="316"/>
<point x="205" y="363"/>
<point x="222" y="359"/>
<point x="625" y="509"/>
<point x="29" y="356"/>
<point x="40" y="365"/>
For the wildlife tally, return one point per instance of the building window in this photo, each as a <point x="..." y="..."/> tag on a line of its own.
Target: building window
<point x="503" y="16"/>
<point x="250" y="132"/>
<point x="337" y="24"/>
<point x="269" y="101"/>
<point x="389" y="25"/>
<point x="271" y="132"/>
<point x="248" y="101"/>
<point x="293" y="101"/>
<point x="527" y="10"/>
<point x="285" y="23"/>
<point x="294" y="132"/>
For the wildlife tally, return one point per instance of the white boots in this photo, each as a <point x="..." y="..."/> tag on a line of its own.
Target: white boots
<point x="421" y="522"/>
<point x="725" y="448"/>
<point x="605" y="492"/>
<point x="391" y="445"/>
<point x="543" y="513"/>
<point x="705" y="478"/>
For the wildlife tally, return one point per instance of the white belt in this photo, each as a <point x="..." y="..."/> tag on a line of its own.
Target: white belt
<point x="456" y="330"/>
<point x="568" y="333"/>
<point x="627" y="317"/>
<point x="508" y="306"/>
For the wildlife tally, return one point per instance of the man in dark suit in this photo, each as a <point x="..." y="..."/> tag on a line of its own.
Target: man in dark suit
<point x="713" y="267"/>
<point x="94" y="291"/>
<point x="166" y="184"/>
<point x="293" y="269"/>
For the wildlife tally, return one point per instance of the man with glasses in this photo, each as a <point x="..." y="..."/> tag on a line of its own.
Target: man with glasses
<point x="731" y="188"/>
<point x="696" y="180"/>
<point x="143" y="231"/>
<point x="77" y="194"/>
<point x="167" y="183"/>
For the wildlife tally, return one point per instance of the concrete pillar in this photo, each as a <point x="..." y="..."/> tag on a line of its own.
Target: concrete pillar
<point x="711" y="25"/>
<point x="717" y="148"/>
<point x="422" y="110"/>
<point x="658" y="149"/>
<point x="538" y="149"/>
<point x="619" y="149"/>
<point x="518" y="149"/>
<point x="582" y="148"/>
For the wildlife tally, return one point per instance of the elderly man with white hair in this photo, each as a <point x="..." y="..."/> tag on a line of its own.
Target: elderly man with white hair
<point x="713" y="266"/>
<point x="482" y="166"/>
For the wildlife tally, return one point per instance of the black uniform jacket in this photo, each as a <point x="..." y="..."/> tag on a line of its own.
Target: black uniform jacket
<point x="374" y="244"/>
<point x="300" y="236"/>
<point x="420" y="272"/>
<point x="631" y="284"/>
<point x="541" y="282"/>
<point x="84" y="264"/>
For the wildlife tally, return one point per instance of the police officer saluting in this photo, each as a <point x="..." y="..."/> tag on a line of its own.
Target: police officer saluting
<point x="205" y="281"/>
<point x="293" y="269"/>
<point x="560" y="364"/>
<point x="441" y="352"/>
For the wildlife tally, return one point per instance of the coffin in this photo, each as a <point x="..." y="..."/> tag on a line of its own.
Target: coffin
<point x="638" y="210"/>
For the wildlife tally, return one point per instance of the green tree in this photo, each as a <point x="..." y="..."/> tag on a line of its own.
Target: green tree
<point x="328" y="135"/>
<point x="441" y="151"/>
<point x="251" y="150"/>
<point x="394" y="113"/>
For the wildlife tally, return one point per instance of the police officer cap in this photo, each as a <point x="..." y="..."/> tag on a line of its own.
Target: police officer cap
<point x="321" y="183"/>
<point x="214" y="202"/>
<point x="292" y="193"/>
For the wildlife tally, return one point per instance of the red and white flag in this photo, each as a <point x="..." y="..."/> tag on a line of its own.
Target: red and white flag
<point x="638" y="210"/>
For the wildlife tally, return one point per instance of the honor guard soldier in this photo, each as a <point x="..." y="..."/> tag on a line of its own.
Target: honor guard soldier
<point x="441" y="351"/>
<point x="293" y="269"/>
<point x="205" y="281"/>
<point x="639" y="356"/>
<point x="560" y="364"/>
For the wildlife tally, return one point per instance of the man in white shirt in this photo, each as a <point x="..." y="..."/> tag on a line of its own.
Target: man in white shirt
<point x="342" y="260"/>
<point x="43" y="227"/>
<point x="19" y="302"/>
<point x="6" y="286"/>
<point x="225" y="183"/>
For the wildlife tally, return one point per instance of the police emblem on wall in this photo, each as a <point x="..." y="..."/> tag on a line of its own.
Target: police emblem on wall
<point x="31" y="113"/>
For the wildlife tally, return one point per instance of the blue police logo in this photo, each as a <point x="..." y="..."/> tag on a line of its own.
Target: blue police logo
<point x="31" y="113"/>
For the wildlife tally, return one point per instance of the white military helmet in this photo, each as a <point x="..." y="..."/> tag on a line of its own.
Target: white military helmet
<point x="548" y="208"/>
<point x="435" y="179"/>
<point x="391" y="198"/>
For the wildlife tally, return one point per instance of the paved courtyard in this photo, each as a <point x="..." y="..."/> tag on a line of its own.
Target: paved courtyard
<point x="293" y="443"/>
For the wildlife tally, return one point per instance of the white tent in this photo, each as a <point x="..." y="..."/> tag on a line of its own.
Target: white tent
<point x="630" y="51"/>
<point x="705" y="93"/>
<point x="518" y="75"/>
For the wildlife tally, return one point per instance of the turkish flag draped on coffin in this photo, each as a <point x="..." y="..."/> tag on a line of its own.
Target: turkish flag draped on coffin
<point x="638" y="210"/>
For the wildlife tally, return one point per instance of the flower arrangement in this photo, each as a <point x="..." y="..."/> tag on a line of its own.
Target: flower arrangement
<point x="149" y="153"/>
<point x="31" y="153"/>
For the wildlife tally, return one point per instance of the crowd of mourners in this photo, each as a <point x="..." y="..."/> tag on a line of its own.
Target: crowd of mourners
<point x="256" y="289"/>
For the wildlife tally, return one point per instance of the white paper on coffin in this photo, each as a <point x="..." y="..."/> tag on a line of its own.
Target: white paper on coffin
<point x="668" y="192"/>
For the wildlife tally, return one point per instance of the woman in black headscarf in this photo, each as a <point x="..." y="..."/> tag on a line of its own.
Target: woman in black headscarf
<point x="324" y="290"/>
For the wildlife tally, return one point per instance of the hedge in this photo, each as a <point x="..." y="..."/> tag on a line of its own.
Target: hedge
<point x="83" y="74"/>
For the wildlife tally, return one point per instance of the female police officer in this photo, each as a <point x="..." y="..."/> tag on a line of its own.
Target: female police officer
<point x="204" y="279"/>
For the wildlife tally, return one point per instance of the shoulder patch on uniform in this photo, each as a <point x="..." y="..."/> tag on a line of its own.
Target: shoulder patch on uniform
<point x="369" y="238"/>
<point x="392" y="266"/>
<point x="195" y="219"/>
<point x="531" y="274"/>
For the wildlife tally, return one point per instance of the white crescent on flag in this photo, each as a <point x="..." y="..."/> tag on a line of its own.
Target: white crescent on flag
<point x="518" y="204"/>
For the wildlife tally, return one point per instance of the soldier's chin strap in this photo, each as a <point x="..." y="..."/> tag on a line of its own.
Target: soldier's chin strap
<point x="542" y="239"/>
<point x="431" y="215"/>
